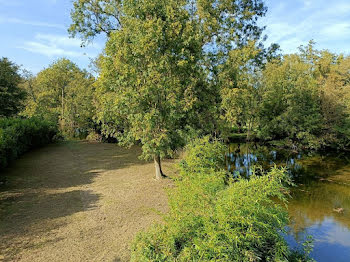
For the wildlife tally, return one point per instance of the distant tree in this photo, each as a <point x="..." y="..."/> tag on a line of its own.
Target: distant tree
<point x="62" y="92"/>
<point x="28" y="84"/>
<point x="332" y="73"/>
<point x="305" y="98"/>
<point x="11" y="95"/>
<point x="239" y="92"/>
<point x="290" y="102"/>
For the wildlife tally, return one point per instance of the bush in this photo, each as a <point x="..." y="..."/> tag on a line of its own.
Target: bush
<point x="203" y="154"/>
<point x="214" y="217"/>
<point x="19" y="135"/>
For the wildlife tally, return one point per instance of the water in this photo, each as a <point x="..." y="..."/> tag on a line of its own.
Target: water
<point x="320" y="204"/>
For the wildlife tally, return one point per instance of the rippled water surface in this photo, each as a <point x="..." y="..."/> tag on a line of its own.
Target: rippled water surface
<point x="320" y="204"/>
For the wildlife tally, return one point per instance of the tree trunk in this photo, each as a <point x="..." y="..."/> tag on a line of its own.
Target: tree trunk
<point x="62" y="104"/>
<point x="157" y="165"/>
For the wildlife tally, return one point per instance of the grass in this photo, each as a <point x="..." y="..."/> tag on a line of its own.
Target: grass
<point x="78" y="201"/>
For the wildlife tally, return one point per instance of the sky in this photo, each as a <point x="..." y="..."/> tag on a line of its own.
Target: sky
<point x="34" y="32"/>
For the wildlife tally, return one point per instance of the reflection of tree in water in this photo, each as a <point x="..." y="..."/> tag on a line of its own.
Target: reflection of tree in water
<point x="312" y="204"/>
<point x="241" y="159"/>
<point x="323" y="184"/>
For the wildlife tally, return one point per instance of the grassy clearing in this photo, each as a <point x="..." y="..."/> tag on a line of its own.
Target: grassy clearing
<point x="78" y="201"/>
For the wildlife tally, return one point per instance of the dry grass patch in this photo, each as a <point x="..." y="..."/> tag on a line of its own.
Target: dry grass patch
<point x="78" y="201"/>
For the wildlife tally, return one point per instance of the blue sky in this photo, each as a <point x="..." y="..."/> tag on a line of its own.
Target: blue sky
<point x="34" y="32"/>
<point x="292" y="23"/>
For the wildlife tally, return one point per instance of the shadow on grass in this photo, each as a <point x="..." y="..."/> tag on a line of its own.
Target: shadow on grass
<point x="67" y="164"/>
<point x="25" y="217"/>
<point x="46" y="186"/>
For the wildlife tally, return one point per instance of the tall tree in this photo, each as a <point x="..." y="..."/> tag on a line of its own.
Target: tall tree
<point x="160" y="69"/>
<point x="11" y="95"/>
<point x="92" y="17"/>
<point x="239" y="92"/>
<point x="155" y="74"/>
<point x="62" y="92"/>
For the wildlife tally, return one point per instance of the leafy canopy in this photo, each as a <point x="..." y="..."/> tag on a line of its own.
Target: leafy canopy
<point x="304" y="97"/>
<point x="62" y="92"/>
<point x="11" y="95"/>
<point x="158" y="75"/>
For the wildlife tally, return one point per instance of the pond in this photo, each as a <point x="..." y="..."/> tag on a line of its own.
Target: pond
<point x="320" y="203"/>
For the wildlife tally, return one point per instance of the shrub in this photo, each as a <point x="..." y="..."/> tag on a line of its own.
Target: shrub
<point x="216" y="218"/>
<point x="203" y="154"/>
<point x="94" y="136"/>
<point x="19" y="135"/>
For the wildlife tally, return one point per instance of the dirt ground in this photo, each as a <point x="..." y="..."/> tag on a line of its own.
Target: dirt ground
<point x="78" y="201"/>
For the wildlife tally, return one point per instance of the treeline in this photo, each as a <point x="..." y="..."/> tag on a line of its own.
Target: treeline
<point x="299" y="100"/>
<point x="18" y="134"/>
<point x="61" y="94"/>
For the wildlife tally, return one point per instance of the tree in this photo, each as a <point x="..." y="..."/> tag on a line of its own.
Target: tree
<point x="160" y="67"/>
<point x="239" y="92"/>
<point x="290" y="103"/>
<point x="333" y="78"/>
<point x="28" y="84"/>
<point x="91" y="17"/>
<point x="11" y="95"/>
<point x="62" y="92"/>
<point x="304" y="98"/>
<point x="151" y="72"/>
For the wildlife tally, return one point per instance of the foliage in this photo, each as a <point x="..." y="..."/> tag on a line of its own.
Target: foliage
<point x="91" y="17"/>
<point x="304" y="98"/>
<point x="11" y="95"/>
<point x="290" y="104"/>
<point x="154" y="76"/>
<point x="62" y="92"/>
<point x="238" y="88"/>
<point x="213" y="218"/>
<point x="203" y="154"/>
<point x="303" y="254"/>
<point x="159" y="73"/>
<point x="19" y="135"/>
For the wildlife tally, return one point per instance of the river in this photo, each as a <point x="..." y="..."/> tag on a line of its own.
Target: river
<point x="320" y="202"/>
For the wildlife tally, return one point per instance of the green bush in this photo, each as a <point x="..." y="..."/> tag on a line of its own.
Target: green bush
<point x="214" y="217"/>
<point x="203" y="154"/>
<point x="19" y="135"/>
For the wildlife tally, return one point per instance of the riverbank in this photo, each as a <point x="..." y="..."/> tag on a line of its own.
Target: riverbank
<point x="78" y="201"/>
<point x="319" y="205"/>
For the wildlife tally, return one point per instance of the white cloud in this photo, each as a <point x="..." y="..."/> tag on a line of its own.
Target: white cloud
<point x="63" y="40"/>
<point x="336" y="30"/>
<point x="9" y="20"/>
<point x="49" y="50"/>
<point x="307" y="3"/>
<point x="321" y="20"/>
<point x="52" y="45"/>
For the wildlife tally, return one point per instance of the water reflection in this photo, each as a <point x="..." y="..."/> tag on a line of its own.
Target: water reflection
<point x="320" y="204"/>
